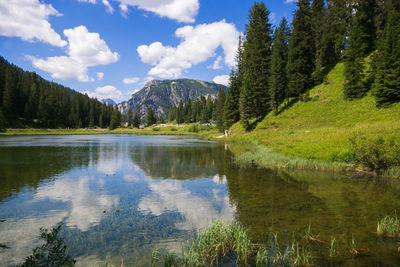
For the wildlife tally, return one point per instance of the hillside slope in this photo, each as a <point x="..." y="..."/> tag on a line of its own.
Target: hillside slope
<point x="162" y="95"/>
<point x="321" y="127"/>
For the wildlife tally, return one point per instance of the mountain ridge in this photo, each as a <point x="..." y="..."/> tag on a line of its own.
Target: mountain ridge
<point x="161" y="95"/>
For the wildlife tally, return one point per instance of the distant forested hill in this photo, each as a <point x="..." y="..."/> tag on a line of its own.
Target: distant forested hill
<point x="26" y="99"/>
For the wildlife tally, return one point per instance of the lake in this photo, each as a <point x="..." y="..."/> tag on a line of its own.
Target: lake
<point x="121" y="196"/>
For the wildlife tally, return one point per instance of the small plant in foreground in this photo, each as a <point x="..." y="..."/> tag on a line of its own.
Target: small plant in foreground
<point x="388" y="226"/>
<point x="52" y="253"/>
<point x="332" y="248"/>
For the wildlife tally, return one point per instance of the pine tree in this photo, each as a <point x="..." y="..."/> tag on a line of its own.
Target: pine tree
<point x="361" y="42"/>
<point x="10" y="95"/>
<point x="301" y="53"/>
<point x="136" y="119"/>
<point x="335" y="30"/>
<point x="151" y="119"/>
<point x="387" y="77"/>
<point x="278" y="79"/>
<point x="256" y="62"/>
<point x="129" y="117"/>
<point x="115" y="119"/>
<point x="220" y="110"/>
<point x="318" y="20"/>
<point x="231" y="106"/>
<point x="3" y="124"/>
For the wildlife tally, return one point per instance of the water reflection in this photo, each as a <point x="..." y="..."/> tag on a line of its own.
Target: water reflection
<point x="121" y="196"/>
<point x="86" y="206"/>
<point x="109" y="193"/>
<point x="198" y="210"/>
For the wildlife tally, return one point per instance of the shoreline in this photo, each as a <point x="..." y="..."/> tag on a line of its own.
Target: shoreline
<point x="245" y="152"/>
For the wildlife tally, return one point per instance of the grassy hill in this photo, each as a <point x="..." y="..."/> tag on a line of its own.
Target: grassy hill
<point x="321" y="127"/>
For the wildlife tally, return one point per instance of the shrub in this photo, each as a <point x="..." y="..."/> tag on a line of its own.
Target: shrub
<point x="193" y="128"/>
<point x="173" y="129"/>
<point x="377" y="154"/>
<point x="156" y="129"/>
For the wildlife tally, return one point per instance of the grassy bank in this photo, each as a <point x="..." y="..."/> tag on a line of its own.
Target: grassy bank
<point x="184" y="130"/>
<point x="316" y="133"/>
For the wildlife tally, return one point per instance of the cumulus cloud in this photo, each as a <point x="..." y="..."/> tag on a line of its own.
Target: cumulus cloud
<point x="28" y="20"/>
<point x="198" y="44"/>
<point x="222" y="79"/>
<point x="85" y="49"/>
<point x="179" y="10"/>
<point x="105" y="92"/>
<point x="130" y="80"/>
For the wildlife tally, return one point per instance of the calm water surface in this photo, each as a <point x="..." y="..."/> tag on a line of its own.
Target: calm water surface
<point x="121" y="196"/>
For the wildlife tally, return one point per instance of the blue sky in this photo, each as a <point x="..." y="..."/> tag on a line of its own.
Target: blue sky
<point x="111" y="48"/>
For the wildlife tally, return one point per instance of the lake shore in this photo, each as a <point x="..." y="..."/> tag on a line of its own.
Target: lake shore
<point x="246" y="151"/>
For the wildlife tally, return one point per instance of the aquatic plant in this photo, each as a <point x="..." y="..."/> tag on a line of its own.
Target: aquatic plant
<point x="332" y="248"/>
<point x="222" y="243"/>
<point x="388" y="226"/>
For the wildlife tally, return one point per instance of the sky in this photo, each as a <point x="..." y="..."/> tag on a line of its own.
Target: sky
<point x="111" y="48"/>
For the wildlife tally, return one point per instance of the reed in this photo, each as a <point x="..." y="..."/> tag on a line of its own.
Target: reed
<point x="388" y="226"/>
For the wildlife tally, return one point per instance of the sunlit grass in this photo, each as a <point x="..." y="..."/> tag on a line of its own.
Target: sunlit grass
<point x="318" y="131"/>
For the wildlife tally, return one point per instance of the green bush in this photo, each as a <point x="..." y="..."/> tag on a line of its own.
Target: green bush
<point x="156" y="129"/>
<point x="173" y="129"/>
<point x="193" y="128"/>
<point x="377" y="154"/>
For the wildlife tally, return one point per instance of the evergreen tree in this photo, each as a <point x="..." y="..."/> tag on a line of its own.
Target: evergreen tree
<point x="256" y="63"/>
<point x="231" y="106"/>
<point x="318" y="21"/>
<point x="3" y="124"/>
<point x="129" y="117"/>
<point x="10" y="95"/>
<point x="151" y="119"/>
<point x="387" y="77"/>
<point x="220" y="110"/>
<point x="278" y="79"/>
<point x="301" y="53"/>
<point x="361" y="42"/>
<point x="136" y="119"/>
<point x="115" y="119"/>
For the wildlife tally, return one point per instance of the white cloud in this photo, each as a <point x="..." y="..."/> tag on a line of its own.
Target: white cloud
<point x="100" y="76"/>
<point x="222" y="79"/>
<point x="28" y="20"/>
<point x="217" y="64"/>
<point x="109" y="8"/>
<point x="105" y="92"/>
<point x="198" y="44"/>
<point x="179" y="10"/>
<point x="85" y="49"/>
<point x="290" y="1"/>
<point x="130" y="80"/>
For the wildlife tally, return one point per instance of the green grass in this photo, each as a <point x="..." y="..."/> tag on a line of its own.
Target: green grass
<point x="320" y="128"/>
<point x="202" y="131"/>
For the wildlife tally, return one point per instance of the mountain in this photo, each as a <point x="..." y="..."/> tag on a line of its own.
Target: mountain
<point x="162" y="95"/>
<point x="108" y="101"/>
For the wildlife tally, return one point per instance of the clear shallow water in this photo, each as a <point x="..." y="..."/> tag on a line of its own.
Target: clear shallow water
<point x="120" y="196"/>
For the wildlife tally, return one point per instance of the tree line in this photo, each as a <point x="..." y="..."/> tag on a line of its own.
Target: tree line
<point x="274" y="65"/>
<point x="26" y="99"/>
